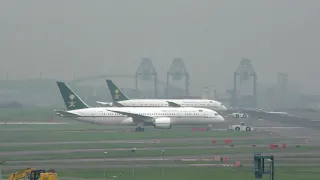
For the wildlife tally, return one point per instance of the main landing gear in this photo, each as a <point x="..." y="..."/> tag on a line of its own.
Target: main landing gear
<point x="139" y="129"/>
<point x="209" y="127"/>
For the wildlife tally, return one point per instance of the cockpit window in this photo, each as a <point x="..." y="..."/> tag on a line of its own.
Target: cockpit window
<point x="221" y="104"/>
<point x="200" y="110"/>
<point x="211" y="102"/>
<point x="216" y="114"/>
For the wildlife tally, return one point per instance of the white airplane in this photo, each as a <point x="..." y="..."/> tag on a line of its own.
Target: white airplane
<point x="121" y="100"/>
<point x="158" y="117"/>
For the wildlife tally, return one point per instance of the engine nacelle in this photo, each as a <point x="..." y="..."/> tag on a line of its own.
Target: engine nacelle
<point x="162" y="123"/>
<point x="127" y="121"/>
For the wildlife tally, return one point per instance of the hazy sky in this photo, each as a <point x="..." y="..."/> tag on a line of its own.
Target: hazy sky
<point x="111" y="36"/>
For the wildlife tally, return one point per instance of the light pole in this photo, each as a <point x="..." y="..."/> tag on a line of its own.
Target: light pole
<point x="162" y="164"/>
<point x="133" y="150"/>
<point x="105" y="160"/>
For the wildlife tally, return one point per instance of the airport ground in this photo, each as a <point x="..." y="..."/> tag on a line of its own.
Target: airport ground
<point x="76" y="150"/>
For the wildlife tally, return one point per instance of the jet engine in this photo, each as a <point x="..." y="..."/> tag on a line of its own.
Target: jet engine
<point x="162" y="123"/>
<point x="128" y="121"/>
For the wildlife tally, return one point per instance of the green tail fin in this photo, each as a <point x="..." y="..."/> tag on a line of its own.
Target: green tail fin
<point x="71" y="99"/>
<point x="116" y="93"/>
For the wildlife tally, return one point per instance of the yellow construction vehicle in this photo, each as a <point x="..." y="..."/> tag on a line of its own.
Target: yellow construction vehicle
<point x="34" y="174"/>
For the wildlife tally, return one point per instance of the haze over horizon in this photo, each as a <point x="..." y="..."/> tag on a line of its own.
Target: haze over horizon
<point x="105" y="37"/>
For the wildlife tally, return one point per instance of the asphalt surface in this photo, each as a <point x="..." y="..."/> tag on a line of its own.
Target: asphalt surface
<point x="64" y="151"/>
<point x="171" y="140"/>
<point x="64" y="167"/>
<point x="304" y="128"/>
<point x="124" y="160"/>
<point x="290" y="128"/>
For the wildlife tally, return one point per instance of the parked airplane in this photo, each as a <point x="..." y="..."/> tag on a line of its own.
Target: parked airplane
<point x="121" y="100"/>
<point x="158" y="117"/>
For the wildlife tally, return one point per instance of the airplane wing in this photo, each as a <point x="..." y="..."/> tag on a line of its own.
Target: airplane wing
<point x="172" y="104"/>
<point x="65" y="113"/>
<point x="137" y="118"/>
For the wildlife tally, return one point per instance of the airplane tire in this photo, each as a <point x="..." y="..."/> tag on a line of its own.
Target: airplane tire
<point x="208" y="129"/>
<point x="237" y="115"/>
<point x="237" y="129"/>
<point x="248" y="129"/>
<point x="245" y="115"/>
<point x="142" y="130"/>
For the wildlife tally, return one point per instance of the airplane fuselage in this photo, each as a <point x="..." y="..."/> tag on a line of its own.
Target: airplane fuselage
<point x="199" y="103"/>
<point x="177" y="116"/>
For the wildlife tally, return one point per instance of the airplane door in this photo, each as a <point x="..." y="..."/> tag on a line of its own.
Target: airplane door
<point x="100" y="113"/>
<point x="179" y="114"/>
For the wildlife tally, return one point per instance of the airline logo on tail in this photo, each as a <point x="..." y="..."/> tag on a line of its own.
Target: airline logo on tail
<point x="72" y="102"/>
<point x="116" y="95"/>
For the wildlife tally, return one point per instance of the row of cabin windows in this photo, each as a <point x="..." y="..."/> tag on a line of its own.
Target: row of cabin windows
<point x="167" y="104"/>
<point x="153" y="114"/>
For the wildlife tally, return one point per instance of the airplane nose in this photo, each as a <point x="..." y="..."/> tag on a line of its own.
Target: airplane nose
<point x="221" y="118"/>
<point x="224" y="108"/>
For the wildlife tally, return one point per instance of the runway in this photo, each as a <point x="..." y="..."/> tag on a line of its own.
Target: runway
<point x="32" y="123"/>
<point x="271" y="131"/>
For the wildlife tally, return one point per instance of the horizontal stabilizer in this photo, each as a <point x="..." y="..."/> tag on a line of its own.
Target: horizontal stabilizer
<point x="109" y="104"/>
<point x="103" y="103"/>
<point x="65" y="113"/>
<point x="115" y="103"/>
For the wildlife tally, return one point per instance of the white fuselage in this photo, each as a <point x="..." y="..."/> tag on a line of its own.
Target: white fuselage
<point x="199" y="103"/>
<point x="177" y="116"/>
